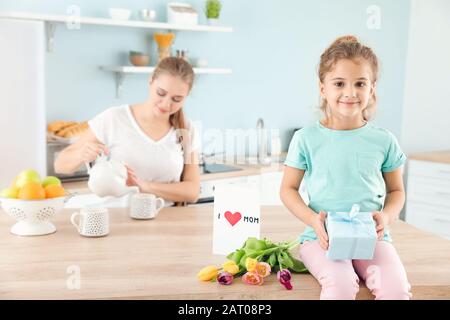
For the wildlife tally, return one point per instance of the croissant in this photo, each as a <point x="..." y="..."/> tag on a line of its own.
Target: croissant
<point x="74" y="130"/>
<point x="58" y="125"/>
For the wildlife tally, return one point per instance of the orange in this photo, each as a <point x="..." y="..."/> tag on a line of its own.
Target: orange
<point x="31" y="191"/>
<point x="13" y="184"/>
<point x="54" y="191"/>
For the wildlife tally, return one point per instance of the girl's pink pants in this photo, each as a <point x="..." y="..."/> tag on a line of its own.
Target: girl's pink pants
<point x="384" y="275"/>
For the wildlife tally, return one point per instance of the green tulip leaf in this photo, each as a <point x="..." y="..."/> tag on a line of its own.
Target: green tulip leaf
<point x="298" y="266"/>
<point x="279" y="258"/>
<point x="242" y="261"/>
<point x="236" y="256"/>
<point x="255" y="244"/>
<point x="270" y="244"/>
<point x="255" y="254"/>
<point x="232" y="256"/>
<point x="272" y="260"/>
<point x="286" y="260"/>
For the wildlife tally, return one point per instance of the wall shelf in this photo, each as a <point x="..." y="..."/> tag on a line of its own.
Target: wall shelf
<point x="74" y="22"/>
<point x="121" y="71"/>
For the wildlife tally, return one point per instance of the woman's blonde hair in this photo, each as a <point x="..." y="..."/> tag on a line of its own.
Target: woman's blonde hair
<point x="348" y="47"/>
<point x="177" y="67"/>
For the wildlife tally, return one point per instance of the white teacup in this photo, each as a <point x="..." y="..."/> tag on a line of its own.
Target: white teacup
<point x="92" y="222"/>
<point x="145" y="206"/>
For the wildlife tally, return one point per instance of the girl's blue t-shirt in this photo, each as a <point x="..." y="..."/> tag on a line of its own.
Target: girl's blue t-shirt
<point x="344" y="167"/>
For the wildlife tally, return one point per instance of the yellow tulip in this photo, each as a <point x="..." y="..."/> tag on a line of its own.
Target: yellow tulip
<point x="250" y="264"/>
<point x="208" y="273"/>
<point x="231" y="267"/>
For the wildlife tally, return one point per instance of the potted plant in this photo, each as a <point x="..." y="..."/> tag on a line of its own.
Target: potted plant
<point x="212" y="9"/>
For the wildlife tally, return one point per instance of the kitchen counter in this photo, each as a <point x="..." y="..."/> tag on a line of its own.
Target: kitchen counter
<point x="435" y="156"/>
<point x="159" y="259"/>
<point x="80" y="187"/>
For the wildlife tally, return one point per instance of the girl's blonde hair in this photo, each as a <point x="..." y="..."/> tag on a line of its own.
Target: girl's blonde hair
<point x="348" y="47"/>
<point x="177" y="67"/>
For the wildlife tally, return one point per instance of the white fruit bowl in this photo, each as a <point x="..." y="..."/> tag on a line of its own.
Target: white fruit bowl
<point x="33" y="216"/>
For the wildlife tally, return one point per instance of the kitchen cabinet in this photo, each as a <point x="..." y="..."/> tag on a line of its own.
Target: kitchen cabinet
<point x="268" y="183"/>
<point x="270" y="189"/>
<point x="207" y="187"/>
<point x="428" y="194"/>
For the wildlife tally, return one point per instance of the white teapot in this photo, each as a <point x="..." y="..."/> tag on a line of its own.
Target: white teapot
<point x="109" y="178"/>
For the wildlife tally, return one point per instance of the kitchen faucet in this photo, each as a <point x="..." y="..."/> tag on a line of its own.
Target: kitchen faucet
<point x="203" y="156"/>
<point x="262" y="141"/>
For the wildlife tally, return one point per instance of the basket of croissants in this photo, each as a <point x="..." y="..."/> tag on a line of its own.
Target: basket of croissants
<point x="65" y="131"/>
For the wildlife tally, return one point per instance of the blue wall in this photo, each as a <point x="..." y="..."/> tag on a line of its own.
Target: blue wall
<point x="273" y="51"/>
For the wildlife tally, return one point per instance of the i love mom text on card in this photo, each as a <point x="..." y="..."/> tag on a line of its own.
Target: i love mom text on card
<point x="234" y="217"/>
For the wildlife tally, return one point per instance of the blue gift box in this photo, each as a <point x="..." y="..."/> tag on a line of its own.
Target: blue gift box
<point x="350" y="235"/>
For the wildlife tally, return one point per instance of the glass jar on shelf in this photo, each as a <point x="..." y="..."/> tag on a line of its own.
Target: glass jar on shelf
<point x="164" y="52"/>
<point x="164" y="41"/>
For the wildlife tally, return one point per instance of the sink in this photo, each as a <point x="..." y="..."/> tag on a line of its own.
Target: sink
<point x="217" y="168"/>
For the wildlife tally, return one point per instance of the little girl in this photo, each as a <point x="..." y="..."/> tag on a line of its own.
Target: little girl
<point x="346" y="160"/>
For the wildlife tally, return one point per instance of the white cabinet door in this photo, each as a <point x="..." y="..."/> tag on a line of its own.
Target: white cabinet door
<point x="429" y="218"/>
<point x="428" y="197"/>
<point x="432" y="170"/>
<point x="253" y="181"/>
<point x="270" y="188"/>
<point x="267" y="183"/>
<point x="207" y="187"/>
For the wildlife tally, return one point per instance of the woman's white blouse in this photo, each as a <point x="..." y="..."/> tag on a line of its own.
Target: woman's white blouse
<point x="158" y="161"/>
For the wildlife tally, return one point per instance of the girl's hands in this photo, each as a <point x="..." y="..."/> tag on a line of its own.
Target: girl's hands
<point x="380" y="223"/>
<point x="133" y="180"/>
<point x="319" y="227"/>
<point x="90" y="151"/>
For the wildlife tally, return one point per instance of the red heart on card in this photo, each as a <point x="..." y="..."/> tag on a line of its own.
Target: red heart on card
<point x="233" y="218"/>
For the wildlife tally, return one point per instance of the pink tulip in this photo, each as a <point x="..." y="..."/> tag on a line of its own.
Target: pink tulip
<point x="225" y="278"/>
<point x="252" y="278"/>
<point x="262" y="269"/>
<point x="284" y="276"/>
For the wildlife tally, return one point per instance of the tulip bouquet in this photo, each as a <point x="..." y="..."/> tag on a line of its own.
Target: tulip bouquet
<point x="254" y="261"/>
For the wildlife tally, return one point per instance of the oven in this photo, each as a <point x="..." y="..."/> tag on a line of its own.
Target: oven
<point x="53" y="149"/>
